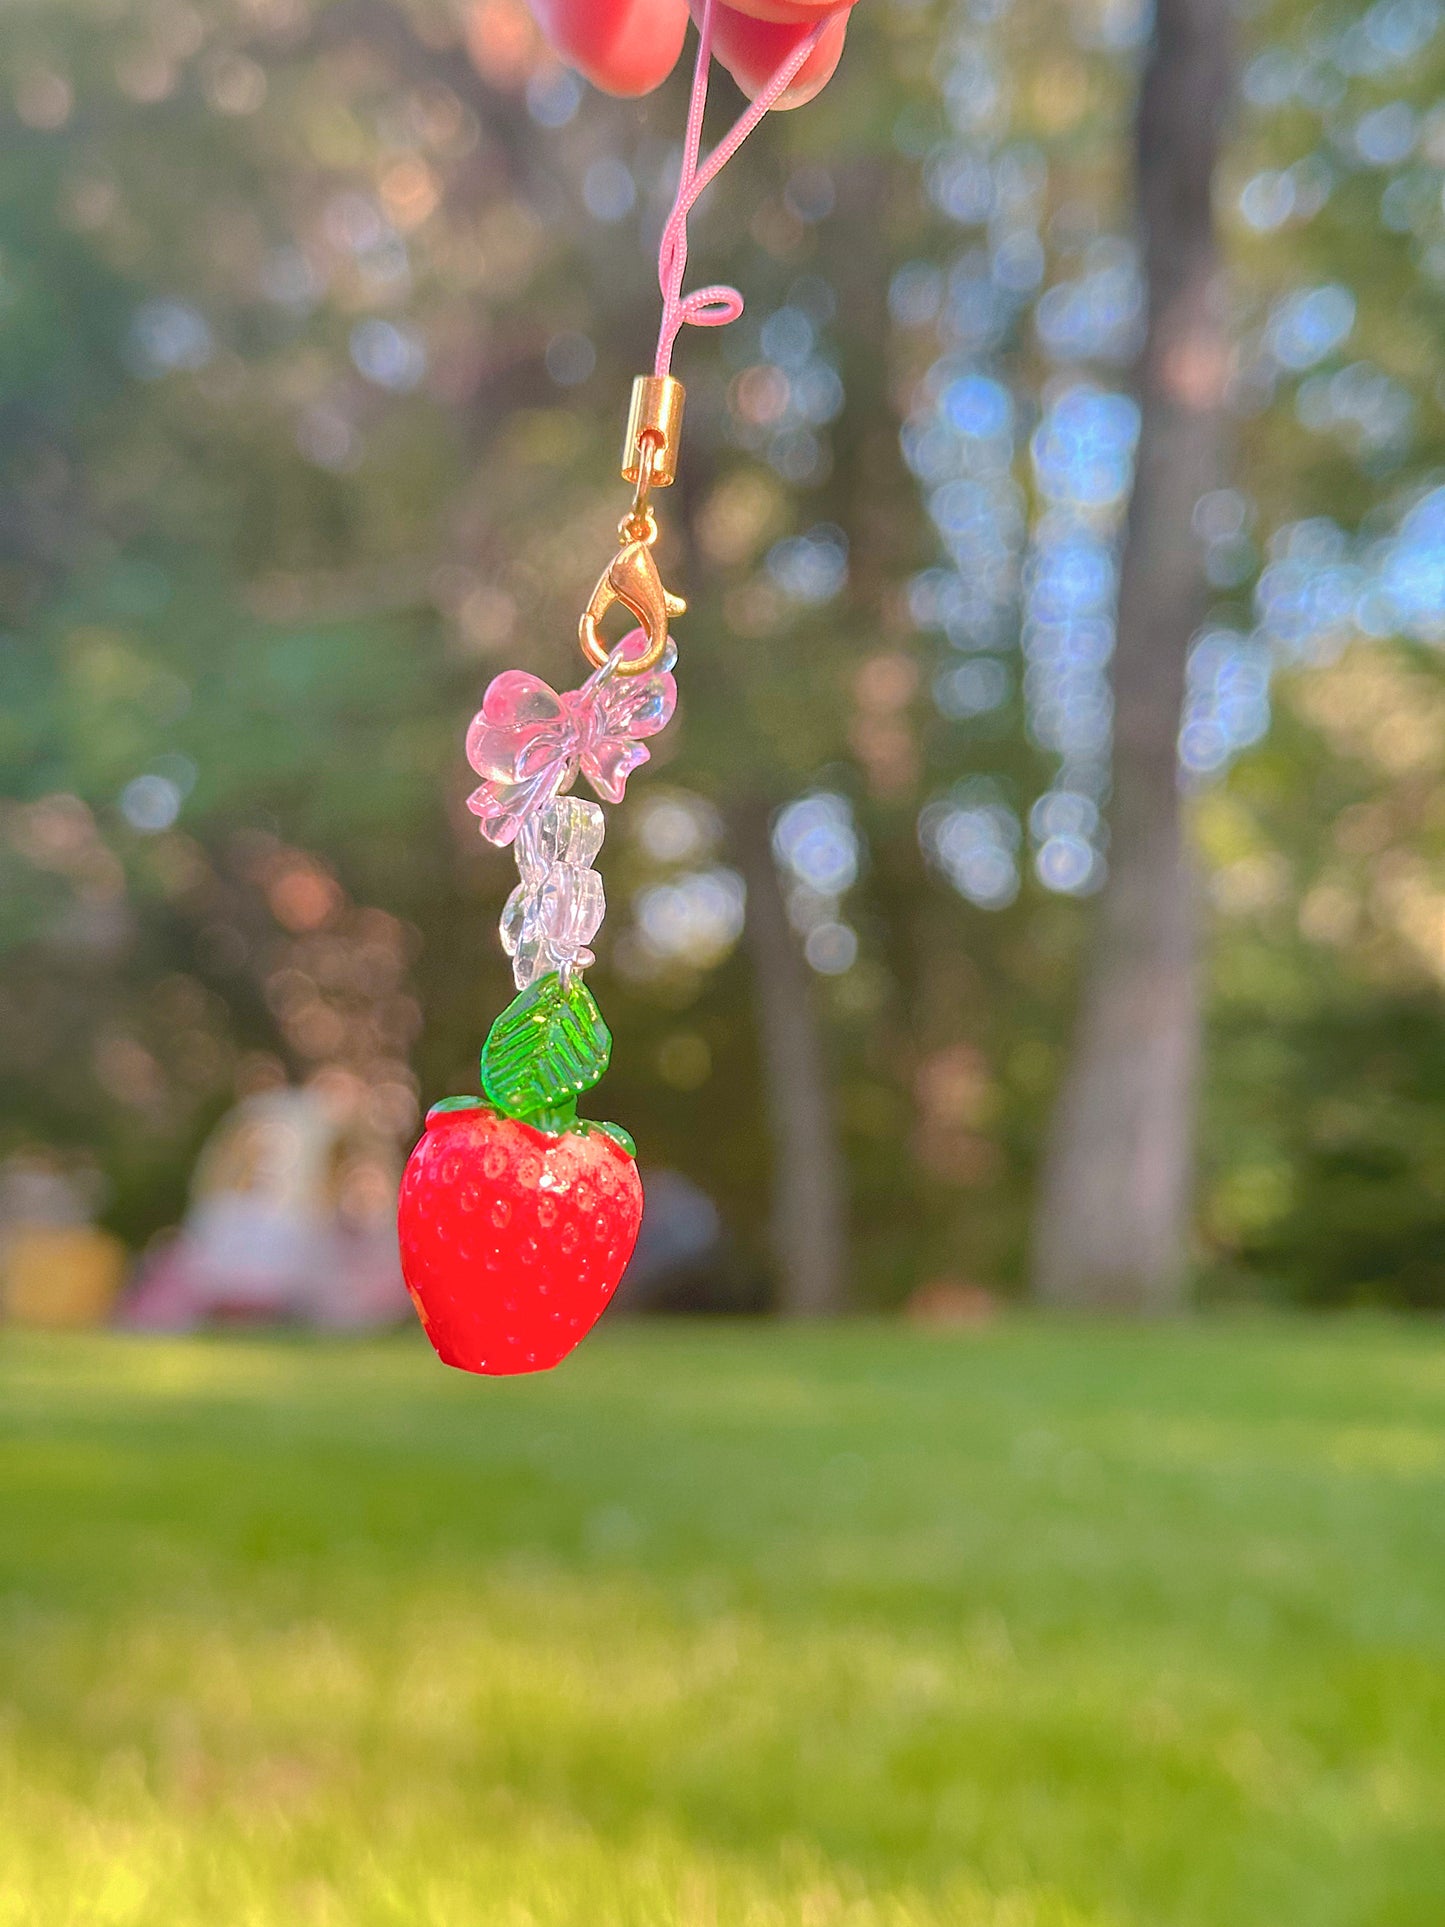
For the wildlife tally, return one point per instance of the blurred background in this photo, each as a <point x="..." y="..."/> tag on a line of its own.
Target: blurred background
<point x="319" y="325"/>
<point x="1039" y="896"/>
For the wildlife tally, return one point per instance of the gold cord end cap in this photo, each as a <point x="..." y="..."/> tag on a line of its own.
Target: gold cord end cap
<point x="655" y="411"/>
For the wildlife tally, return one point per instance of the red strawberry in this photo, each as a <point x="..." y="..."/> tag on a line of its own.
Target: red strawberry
<point x="513" y="1239"/>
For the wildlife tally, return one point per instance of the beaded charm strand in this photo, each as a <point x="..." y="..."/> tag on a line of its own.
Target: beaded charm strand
<point x="517" y="1217"/>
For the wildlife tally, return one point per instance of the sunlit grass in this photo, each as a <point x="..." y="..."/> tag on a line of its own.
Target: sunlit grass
<point x="728" y="1627"/>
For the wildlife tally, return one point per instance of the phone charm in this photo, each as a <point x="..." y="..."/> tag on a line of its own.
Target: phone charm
<point x="517" y="1217"/>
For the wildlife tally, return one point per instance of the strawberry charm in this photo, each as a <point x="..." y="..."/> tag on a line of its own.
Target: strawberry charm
<point x="518" y="1218"/>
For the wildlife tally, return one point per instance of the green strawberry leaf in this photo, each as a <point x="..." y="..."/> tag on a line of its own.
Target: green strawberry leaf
<point x="615" y="1131"/>
<point x="547" y="1047"/>
<point x="444" y="1104"/>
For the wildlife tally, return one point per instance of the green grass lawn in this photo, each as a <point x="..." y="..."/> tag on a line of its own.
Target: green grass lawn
<point x="728" y="1627"/>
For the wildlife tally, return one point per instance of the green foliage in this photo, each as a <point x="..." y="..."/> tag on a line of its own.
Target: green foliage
<point x="1346" y="1203"/>
<point x="1026" y="1628"/>
<point x="547" y="1047"/>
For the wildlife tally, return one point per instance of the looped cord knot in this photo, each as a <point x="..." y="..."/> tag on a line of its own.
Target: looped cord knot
<point x="716" y="306"/>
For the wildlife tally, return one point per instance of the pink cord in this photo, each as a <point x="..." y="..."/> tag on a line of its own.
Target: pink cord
<point x="710" y="307"/>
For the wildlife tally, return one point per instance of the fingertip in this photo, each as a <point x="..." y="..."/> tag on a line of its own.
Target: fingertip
<point x="625" y="47"/>
<point x="753" y="50"/>
<point x="818" y="69"/>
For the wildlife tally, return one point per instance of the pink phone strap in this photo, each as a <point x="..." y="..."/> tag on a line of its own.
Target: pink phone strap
<point x="711" y="307"/>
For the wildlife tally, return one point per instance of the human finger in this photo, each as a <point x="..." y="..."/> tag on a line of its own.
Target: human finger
<point x="752" y="38"/>
<point x="623" y="46"/>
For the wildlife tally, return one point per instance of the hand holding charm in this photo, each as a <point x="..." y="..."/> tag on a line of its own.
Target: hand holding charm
<point x="517" y="1216"/>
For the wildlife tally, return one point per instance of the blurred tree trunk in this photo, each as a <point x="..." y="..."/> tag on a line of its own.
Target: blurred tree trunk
<point x="1115" y="1194"/>
<point x="809" y="1206"/>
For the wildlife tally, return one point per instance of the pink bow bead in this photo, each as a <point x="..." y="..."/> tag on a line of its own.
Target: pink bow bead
<point x="528" y="742"/>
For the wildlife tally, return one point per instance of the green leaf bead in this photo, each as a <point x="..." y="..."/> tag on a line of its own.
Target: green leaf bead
<point x="547" y="1047"/>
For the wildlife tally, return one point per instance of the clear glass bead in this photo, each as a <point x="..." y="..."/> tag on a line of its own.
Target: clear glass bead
<point x="556" y="910"/>
<point x="568" y="831"/>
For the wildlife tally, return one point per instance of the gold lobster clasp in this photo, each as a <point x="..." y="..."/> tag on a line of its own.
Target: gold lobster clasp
<point x="649" y="459"/>
<point x="630" y="578"/>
